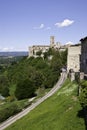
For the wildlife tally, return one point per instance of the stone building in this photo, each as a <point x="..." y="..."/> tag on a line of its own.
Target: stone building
<point x="84" y="55"/>
<point x="36" y="48"/>
<point x="73" y="58"/>
<point x="43" y="48"/>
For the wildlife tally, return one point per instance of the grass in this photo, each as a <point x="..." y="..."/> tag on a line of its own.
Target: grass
<point x="59" y="112"/>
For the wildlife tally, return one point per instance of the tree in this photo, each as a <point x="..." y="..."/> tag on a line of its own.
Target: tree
<point x="48" y="53"/>
<point x="56" y="62"/>
<point x="37" y="78"/>
<point x="24" y="89"/>
<point x="83" y="94"/>
<point x="64" y="57"/>
<point x="4" y="90"/>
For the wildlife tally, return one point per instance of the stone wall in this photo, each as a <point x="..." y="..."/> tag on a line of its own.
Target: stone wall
<point x="73" y="58"/>
<point x="34" y="49"/>
<point x="84" y="55"/>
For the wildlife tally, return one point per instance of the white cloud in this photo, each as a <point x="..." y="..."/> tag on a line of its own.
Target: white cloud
<point x="48" y="28"/>
<point x="10" y="49"/>
<point x="6" y="49"/>
<point x="40" y="27"/>
<point x="69" y="43"/>
<point x="65" y="23"/>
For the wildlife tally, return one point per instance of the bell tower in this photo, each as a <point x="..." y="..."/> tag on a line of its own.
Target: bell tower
<point x="52" y="42"/>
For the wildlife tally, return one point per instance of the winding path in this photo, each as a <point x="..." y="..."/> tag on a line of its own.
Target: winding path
<point x="27" y="110"/>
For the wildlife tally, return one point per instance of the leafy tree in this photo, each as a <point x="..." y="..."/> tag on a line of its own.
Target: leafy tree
<point x="83" y="94"/>
<point x="56" y="62"/>
<point x="50" y="80"/>
<point x="4" y="90"/>
<point x="64" y="57"/>
<point x="37" y="78"/>
<point x="48" y="53"/>
<point x="25" y="89"/>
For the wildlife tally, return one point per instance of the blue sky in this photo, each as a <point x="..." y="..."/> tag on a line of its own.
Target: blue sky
<point x="25" y="23"/>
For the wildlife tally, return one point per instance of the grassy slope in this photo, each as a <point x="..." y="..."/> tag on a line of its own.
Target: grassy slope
<point x="59" y="112"/>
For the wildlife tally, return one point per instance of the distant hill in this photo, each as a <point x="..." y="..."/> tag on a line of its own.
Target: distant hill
<point x="16" y="53"/>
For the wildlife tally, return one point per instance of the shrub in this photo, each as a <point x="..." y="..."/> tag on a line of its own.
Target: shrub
<point x="8" y="111"/>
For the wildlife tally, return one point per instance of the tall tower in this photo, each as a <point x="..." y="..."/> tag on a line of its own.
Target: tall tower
<point x="52" y="42"/>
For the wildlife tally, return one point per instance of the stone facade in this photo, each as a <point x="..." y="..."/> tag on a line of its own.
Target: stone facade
<point x="81" y="75"/>
<point x="84" y="55"/>
<point x="77" y="58"/>
<point x="34" y="49"/>
<point x="72" y="76"/>
<point x="57" y="46"/>
<point x="73" y="58"/>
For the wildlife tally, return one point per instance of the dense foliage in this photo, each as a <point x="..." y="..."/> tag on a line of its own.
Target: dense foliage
<point x="24" y="89"/>
<point x="4" y="90"/>
<point x="29" y="74"/>
<point x="23" y="78"/>
<point x="83" y="94"/>
<point x="8" y="111"/>
<point x="12" y="108"/>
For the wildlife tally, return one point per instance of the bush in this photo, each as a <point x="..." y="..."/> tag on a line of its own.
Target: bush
<point x="8" y="111"/>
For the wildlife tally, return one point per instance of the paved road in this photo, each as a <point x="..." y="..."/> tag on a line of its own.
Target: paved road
<point x="27" y="110"/>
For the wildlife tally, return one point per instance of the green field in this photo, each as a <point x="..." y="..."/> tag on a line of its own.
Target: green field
<point x="59" y="112"/>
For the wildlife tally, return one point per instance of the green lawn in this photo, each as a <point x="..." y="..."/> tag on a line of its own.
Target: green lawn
<point x="59" y="112"/>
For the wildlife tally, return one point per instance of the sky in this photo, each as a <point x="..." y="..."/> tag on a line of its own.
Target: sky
<point x="24" y="23"/>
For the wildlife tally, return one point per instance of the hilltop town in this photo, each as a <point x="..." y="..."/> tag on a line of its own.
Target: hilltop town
<point x="56" y="45"/>
<point x="76" y="58"/>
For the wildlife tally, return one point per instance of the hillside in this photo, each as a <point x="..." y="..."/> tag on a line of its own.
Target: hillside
<point x="59" y="112"/>
<point x="28" y="77"/>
